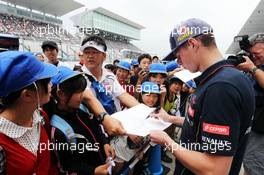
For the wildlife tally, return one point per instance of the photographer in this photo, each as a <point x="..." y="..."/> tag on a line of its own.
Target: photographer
<point x="254" y="164"/>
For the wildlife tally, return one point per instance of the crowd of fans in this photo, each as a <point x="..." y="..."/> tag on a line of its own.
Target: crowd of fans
<point x="51" y="105"/>
<point x="127" y="76"/>
<point x="28" y="29"/>
<point x="32" y="29"/>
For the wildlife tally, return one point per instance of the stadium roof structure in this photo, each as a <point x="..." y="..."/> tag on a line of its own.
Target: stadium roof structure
<point x="117" y="17"/>
<point x="254" y="24"/>
<point x="53" y="7"/>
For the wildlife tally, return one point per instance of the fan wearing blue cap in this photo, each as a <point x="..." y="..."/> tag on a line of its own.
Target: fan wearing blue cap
<point x="149" y="95"/>
<point x="123" y="74"/>
<point x="220" y="110"/>
<point x="73" y="123"/>
<point x="134" y="67"/>
<point x="68" y="87"/>
<point x="24" y="86"/>
<point x="158" y="74"/>
<point x="123" y="70"/>
<point x="134" y="72"/>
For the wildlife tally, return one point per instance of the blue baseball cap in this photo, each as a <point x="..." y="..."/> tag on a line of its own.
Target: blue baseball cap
<point x="150" y="87"/>
<point x="64" y="74"/>
<point x="185" y="30"/>
<point x="171" y="66"/>
<point x="134" y="62"/>
<point x="191" y="84"/>
<point x="157" y="68"/>
<point x="124" y="65"/>
<point x="20" y="69"/>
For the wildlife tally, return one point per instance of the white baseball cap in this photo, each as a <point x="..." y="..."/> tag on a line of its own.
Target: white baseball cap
<point x="93" y="44"/>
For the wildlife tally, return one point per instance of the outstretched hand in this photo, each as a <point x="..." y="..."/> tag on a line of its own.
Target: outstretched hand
<point x="113" y="126"/>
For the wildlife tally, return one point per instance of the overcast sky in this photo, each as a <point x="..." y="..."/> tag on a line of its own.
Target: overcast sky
<point x="160" y="16"/>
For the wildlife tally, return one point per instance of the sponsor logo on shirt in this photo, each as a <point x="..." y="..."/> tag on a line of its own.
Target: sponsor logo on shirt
<point x="216" y="144"/>
<point x="216" y="129"/>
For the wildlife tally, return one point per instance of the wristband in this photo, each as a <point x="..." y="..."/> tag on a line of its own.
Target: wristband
<point x="101" y="116"/>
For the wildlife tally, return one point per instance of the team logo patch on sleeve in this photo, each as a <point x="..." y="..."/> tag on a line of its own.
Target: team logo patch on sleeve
<point x="216" y="129"/>
<point x="191" y="111"/>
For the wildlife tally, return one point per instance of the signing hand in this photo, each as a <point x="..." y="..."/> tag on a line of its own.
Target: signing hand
<point x="162" y="114"/>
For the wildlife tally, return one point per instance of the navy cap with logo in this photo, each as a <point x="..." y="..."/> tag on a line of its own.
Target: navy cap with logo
<point x="21" y="69"/>
<point x="185" y="30"/>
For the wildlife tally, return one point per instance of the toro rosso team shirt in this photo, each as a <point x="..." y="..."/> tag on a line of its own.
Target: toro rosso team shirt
<point x="219" y="115"/>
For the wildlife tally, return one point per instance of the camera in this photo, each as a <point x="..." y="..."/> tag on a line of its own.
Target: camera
<point x="244" y="45"/>
<point x="243" y="41"/>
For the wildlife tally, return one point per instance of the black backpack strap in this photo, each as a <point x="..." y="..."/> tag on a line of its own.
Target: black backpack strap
<point x="90" y="78"/>
<point x="100" y="92"/>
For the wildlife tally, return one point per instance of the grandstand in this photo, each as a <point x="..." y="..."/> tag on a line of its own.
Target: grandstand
<point x="35" y="21"/>
<point x="254" y="24"/>
<point x="117" y="30"/>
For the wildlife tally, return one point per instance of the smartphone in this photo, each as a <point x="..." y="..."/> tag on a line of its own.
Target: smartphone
<point x="140" y="69"/>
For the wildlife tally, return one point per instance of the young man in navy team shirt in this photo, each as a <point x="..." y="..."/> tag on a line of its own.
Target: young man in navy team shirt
<point x="218" y="119"/>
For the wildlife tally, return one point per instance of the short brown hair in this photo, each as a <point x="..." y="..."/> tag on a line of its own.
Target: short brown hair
<point x="207" y="40"/>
